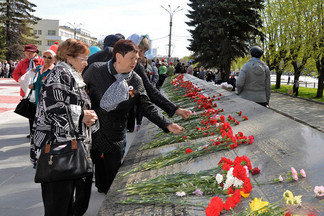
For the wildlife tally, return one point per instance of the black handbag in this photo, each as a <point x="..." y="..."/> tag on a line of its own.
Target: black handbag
<point x="26" y="108"/>
<point x="64" y="161"/>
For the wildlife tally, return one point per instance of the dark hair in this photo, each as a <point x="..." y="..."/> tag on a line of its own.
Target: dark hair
<point x="72" y="48"/>
<point x="256" y="52"/>
<point x="110" y="40"/>
<point x="123" y="47"/>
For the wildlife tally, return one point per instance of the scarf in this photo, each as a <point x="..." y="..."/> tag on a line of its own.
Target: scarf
<point x="31" y="64"/>
<point x="75" y="74"/>
<point x="117" y="91"/>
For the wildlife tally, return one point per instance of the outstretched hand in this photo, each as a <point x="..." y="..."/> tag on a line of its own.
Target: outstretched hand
<point x="175" y="129"/>
<point x="183" y="113"/>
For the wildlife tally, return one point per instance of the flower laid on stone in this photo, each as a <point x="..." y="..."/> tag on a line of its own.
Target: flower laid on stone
<point x="292" y="206"/>
<point x="229" y="177"/>
<point x="291" y="176"/>
<point x="180" y="193"/>
<point x="209" y="122"/>
<point x="186" y="153"/>
<point x="319" y="191"/>
<point x="294" y="173"/>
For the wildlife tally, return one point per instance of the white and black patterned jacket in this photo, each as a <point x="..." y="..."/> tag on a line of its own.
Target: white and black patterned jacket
<point x="63" y="90"/>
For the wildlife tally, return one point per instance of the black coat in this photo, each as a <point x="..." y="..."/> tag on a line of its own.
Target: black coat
<point x="155" y="96"/>
<point x="111" y="135"/>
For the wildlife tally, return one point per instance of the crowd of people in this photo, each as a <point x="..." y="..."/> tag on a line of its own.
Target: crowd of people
<point x="7" y="68"/>
<point x="91" y="100"/>
<point x="97" y="100"/>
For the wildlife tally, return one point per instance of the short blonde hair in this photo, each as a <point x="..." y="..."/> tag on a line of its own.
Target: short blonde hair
<point x="72" y="48"/>
<point x="144" y="44"/>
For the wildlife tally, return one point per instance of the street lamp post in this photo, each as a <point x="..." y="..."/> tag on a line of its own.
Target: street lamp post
<point x="75" y="27"/>
<point x="171" y="16"/>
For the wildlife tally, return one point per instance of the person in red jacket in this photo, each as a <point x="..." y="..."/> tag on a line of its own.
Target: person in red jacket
<point x="31" y="61"/>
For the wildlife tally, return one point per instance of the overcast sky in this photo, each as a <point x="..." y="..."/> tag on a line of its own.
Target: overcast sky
<point x="104" y="17"/>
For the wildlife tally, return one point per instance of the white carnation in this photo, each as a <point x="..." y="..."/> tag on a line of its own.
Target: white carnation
<point x="237" y="182"/>
<point x="219" y="178"/>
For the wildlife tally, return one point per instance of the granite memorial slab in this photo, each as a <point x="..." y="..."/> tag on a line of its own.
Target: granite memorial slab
<point x="279" y="144"/>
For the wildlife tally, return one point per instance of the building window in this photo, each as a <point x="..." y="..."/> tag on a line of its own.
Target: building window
<point x="39" y="43"/>
<point x="51" y="32"/>
<point x="39" y="32"/>
<point x="35" y="32"/>
<point x="50" y="43"/>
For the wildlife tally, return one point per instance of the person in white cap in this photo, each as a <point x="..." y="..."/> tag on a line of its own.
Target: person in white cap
<point x="42" y="71"/>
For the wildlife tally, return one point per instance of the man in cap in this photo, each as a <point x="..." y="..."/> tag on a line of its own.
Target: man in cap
<point x="105" y="54"/>
<point x="31" y="61"/>
<point x="253" y="82"/>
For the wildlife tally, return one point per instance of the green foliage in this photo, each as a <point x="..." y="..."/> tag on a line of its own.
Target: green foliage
<point x="309" y="93"/>
<point x="15" y="19"/>
<point x="223" y="30"/>
<point x="2" y="44"/>
<point x="294" y="35"/>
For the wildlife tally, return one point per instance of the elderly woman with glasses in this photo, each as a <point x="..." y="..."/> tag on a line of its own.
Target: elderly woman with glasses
<point x="64" y="109"/>
<point x="42" y="71"/>
<point x="114" y="88"/>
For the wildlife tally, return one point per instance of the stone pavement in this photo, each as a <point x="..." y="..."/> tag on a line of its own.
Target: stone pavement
<point x="19" y="195"/>
<point x="305" y="111"/>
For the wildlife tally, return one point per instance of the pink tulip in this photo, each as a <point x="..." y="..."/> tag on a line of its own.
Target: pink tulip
<point x="303" y="173"/>
<point x="294" y="173"/>
<point x="319" y="191"/>
<point x="280" y="178"/>
<point x="194" y="113"/>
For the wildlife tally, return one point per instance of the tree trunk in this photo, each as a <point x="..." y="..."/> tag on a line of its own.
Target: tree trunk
<point x="227" y="69"/>
<point x="278" y="79"/>
<point x="320" y="69"/>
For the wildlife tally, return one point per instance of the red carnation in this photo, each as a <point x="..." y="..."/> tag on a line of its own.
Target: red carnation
<point x="215" y="207"/>
<point x="229" y="204"/>
<point x="251" y="139"/>
<point x="188" y="150"/>
<point x="255" y="171"/>
<point x="247" y="187"/>
<point x="239" y="172"/>
<point x="230" y="190"/>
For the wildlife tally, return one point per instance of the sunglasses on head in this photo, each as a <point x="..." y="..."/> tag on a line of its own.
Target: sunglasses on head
<point x="49" y="57"/>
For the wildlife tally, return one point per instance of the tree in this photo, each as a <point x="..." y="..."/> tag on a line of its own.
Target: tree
<point x="16" y="19"/>
<point x="276" y="53"/>
<point x="2" y="44"/>
<point x="223" y="30"/>
<point x="318" y="44"/>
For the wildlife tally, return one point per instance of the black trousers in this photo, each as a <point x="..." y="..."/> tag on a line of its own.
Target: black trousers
<point x="131" y="119"/>
<point x="161" y="81"/>
<point x="31" y="121"/>
<point x="106" y="168"/>
<point x="59" y="199"/>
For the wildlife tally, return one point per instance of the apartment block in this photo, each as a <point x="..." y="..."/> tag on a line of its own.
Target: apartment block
<point x="49" y="31"/>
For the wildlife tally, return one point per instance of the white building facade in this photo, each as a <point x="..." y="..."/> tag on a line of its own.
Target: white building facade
<point x="49" y="32"/>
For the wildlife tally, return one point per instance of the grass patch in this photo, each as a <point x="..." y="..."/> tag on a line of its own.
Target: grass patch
<point x="304" y="92"/>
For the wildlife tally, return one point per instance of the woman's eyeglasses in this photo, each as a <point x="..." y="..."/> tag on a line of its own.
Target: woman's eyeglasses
<point x="48" y="57"/>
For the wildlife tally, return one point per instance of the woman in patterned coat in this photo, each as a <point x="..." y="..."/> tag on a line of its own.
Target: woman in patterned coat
<point x="64" y="91"/>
